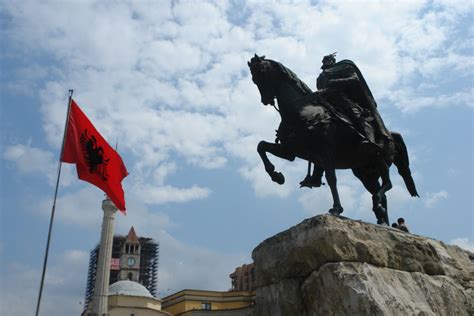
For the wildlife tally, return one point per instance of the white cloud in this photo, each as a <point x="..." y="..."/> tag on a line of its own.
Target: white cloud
<point x="63" y="289"/>
<point x="171" y="81"/>
<point x="19" y="285"/>
<point x="355" y="199"/>
<point x="399" y="198"/>
<point x="167" y="84"/>
<point x="162" y="172"/>
<point x="181" y="267"/>
<point x="316" y="201"/>
<point x="83" y="208"/>
<point x="192" y="266"/>
<point x="464" y="243"/>
<point x="433" y="198"/>
<point x="365" y="206"/>
<point x="30" y="159"/>
<point x="399" y="201"/>
<point x="168" y="194"/>
<point x="263" y="185"/>
<point x="410" y="100"/>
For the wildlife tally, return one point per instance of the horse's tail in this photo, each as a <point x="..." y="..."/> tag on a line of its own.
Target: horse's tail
<point x="403" y="164"/>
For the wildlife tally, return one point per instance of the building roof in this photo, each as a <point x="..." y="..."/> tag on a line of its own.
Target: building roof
<point x="132" y="237"/>
<point x="189" y="302"/>
<point x="226" y="296"/>
<point x="130" y="288"/>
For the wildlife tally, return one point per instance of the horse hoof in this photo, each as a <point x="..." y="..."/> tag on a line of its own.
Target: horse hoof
<point x="382" y="222"/>
<point x="336" y="210"/>
<point x="311" y="182"/>
<point x="306" y="182"/>
<point x="381" y="214"/>
<point x="278" y="177"/>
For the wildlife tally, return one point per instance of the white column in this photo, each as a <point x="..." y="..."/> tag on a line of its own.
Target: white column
<point x="105" y="254"/>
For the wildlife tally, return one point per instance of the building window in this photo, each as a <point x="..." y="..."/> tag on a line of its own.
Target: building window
<point x="130" y="276"/>
<point x="206" y="306"/>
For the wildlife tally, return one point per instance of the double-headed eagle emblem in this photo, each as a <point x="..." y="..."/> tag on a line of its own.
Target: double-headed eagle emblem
<point x="94" y="155"/>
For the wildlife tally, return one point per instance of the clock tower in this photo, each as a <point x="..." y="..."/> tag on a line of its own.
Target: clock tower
<point x="130" y="257"/>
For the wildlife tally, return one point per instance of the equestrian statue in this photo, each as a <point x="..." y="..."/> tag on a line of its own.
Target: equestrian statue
<point x="336" y="127"/>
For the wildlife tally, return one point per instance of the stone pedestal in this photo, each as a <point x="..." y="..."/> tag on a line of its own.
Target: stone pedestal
<point x="330" y="265"/>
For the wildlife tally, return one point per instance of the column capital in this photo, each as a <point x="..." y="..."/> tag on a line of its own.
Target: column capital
<point x="108" y="206"/>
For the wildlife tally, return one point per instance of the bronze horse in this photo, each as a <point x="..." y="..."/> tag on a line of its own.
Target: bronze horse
<point x="310" y="131"/>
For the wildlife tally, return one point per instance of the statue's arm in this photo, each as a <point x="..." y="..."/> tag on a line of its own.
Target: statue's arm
<point x="319" y="84"/>
<point x="346" y="79"/>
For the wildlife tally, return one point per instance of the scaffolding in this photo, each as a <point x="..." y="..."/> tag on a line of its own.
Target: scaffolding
<point x="91" y="273"/>
<point x="149" y="261"/>
<point x="149" y="264"/>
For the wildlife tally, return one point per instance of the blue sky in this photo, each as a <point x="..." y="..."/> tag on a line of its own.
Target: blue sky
<point x="169" y="81"/>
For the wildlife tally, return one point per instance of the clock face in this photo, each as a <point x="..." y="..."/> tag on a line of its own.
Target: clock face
<point x="131" y="261"/>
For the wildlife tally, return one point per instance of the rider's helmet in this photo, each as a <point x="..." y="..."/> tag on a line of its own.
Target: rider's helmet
<point x="329" y="60"/>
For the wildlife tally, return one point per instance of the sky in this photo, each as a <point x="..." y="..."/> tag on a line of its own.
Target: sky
<point x="169" y="82"/>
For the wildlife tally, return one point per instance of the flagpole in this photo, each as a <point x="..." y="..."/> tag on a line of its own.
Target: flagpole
<point x="54" y="206"/>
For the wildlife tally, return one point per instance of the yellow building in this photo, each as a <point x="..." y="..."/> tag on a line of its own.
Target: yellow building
<point x="198" y="302"/>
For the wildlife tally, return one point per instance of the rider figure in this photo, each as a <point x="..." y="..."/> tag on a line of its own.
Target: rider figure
<point x="343" y="85"/>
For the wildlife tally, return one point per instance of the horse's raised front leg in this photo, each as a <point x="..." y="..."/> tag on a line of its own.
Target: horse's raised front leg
<point x="332" y="182"/>
<point x="277" y="150"/>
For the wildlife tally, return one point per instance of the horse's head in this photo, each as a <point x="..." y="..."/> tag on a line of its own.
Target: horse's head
<point x="263" y="75"/>
<point x="269" y="75"/>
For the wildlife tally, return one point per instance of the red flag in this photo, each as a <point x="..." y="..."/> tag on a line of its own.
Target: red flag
<point x="96" y="162"/>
